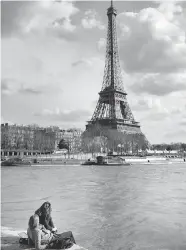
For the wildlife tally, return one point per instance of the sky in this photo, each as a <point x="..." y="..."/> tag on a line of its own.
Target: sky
<point x="53" y="55"/>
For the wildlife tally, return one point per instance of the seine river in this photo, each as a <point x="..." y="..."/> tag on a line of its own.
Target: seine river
<point x="107" y="208"/>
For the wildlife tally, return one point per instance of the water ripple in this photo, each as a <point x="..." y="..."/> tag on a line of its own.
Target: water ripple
<point x="112" y="208"/>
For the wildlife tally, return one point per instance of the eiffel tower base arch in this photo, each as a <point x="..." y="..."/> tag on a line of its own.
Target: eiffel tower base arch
<point x="114" y="137"/>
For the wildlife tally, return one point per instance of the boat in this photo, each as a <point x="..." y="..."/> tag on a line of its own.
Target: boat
<point x="107" y="161"/>
<point x="89" y="162"/>
<point x="15" y="162"/>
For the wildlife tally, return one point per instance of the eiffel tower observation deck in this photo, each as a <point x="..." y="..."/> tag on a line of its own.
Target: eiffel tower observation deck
<point x="112" y="110"/>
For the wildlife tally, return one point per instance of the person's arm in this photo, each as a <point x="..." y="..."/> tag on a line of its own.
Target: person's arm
<point x="51" y="222"/>
<point x="47" y="225"/>
<point x="54" y="229"/>
<point x="43" y="229"/>
<point x="38" y="245"/>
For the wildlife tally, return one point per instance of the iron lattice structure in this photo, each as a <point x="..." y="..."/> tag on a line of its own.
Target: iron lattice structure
<point x="112" y="110"/>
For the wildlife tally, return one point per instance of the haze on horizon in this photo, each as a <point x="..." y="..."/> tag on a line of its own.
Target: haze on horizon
<point x="53" y="55"/>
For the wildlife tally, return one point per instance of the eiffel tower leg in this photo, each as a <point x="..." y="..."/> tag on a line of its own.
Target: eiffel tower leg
<point x="97" y="111"/>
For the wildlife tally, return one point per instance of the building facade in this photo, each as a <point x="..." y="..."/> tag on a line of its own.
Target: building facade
<point x="16" y="137"/>
<point x="71" y="136"/>
<point x="38" y="139"/>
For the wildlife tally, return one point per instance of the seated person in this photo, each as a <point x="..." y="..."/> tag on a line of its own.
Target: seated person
<point x="44" y="213"/>
<point x="42" y="238"/>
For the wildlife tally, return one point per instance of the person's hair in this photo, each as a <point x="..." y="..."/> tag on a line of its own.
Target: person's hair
<point x="33" y="221"/>
<point x="43" y="210"/>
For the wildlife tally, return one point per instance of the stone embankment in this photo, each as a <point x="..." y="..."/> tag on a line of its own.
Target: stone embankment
<point x="78" y="159"/>
<point x="53" y="160"/>
<point x="153" y="160"/>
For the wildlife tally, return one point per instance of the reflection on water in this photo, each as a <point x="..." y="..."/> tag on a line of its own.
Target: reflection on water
<point x="110" y="208"/>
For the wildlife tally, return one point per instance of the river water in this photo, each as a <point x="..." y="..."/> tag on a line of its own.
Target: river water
<point x="107" y="208"/>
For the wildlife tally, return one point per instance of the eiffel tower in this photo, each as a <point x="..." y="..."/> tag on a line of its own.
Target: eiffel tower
<point x="112" y="110"/>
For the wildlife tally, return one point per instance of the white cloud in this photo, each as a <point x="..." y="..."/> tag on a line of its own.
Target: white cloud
<point x="101" y="43"/>
<point x="178" y="135"/>
<point x="146" y="103"/>
<point x="154" y="39"/>
<point x="183" y="122"/>
<point x="160" y="113"/>
<point x="90" y="20"/>
<point x="90" y="62"/>
<point x="152" y="108"/>
<point x="12" y="86"/>
<point x="9" y="86"/>
<point x="169" y="9"/>
<point x="153" y="49"/>
<point x="83" y="61"/>
<point x="51" y="13"/>
<point x="38" y="17"/>
<point x="64" y="23"/>
<point x="159" y="84"/>
<point x="39" y="63"/>
<point x="64" y="115"/>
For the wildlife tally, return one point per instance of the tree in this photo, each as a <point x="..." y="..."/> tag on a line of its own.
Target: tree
<point x="63" y="144"/>
<point x="183" y="146"/>
<point x="169" y="148"/>
<point x="116" y="140"/>
<point x="28" y="141"/>
<point x="18" y="141"/>
<point x="4" y="141"/>
<point x="94" y="140"/>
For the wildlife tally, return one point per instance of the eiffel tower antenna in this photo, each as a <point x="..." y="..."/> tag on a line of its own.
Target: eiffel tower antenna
<point x="111" y="3"/>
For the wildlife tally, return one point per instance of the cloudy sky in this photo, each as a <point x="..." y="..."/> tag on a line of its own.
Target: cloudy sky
<point x="53" y="60"/>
